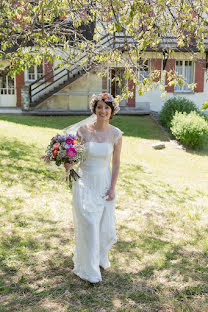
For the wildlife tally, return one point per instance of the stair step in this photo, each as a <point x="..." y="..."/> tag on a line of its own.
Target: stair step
<point x="57" y="88"/>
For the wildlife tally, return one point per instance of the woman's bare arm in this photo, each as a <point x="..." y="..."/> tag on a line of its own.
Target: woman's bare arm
<point x="115" y="169"/>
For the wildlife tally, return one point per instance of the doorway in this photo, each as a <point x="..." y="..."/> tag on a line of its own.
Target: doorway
<point x="115" y="88"/>
<point x="7" y="91"/>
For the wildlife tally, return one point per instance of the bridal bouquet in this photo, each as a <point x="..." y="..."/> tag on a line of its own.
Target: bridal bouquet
<point x="65" y="149"/>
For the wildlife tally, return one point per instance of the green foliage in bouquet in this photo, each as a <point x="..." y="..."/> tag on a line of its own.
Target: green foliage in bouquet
<point x="190" y="129"/>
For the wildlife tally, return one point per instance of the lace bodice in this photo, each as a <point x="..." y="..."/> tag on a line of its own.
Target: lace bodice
<point x="89" y="134"/>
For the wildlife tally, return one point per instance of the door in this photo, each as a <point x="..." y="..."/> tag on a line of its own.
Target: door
<point x="7" y="91"/>
<point x="115" y="88"/>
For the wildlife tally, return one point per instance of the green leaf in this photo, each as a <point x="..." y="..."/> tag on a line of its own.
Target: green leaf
<point x="204" y="105"/>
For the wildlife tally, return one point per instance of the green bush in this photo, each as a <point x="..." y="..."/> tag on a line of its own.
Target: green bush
<point x="173" y="105"/>
<point x="190" y="129"/>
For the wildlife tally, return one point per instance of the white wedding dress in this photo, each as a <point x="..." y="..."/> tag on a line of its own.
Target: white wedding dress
<point x="93" y="216"/>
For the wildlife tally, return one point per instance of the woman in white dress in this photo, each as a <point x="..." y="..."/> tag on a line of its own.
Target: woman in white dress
<point x="94" y="193"/>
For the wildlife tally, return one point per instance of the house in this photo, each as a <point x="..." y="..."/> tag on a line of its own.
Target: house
<point x="45" y="87"/>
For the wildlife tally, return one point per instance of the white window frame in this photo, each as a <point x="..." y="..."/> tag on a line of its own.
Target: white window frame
<point x="35" y="73"/>
<point x="8" y="90"/>
<point x="184" y="88"/>
<point x="141" y="73"/>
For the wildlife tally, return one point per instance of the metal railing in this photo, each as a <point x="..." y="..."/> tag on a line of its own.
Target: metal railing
<point x="56" y="78"/>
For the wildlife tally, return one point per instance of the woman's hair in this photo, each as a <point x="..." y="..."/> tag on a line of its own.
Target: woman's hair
<point x="109" y="104"/>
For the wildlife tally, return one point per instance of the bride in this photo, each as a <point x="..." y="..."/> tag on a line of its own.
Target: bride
<point x="94" y="194"/>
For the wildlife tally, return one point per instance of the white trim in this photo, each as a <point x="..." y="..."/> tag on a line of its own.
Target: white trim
<point x="181" y="90"/>
<point x="35" y="73"/>
<point x="8" y="94"/>
<point x="8" y="90"/>
<point x="149" y="70"/>
<point x="184" y="91"/>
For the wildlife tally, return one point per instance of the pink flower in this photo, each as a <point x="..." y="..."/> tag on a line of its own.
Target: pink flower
<point x="56" y="145"/>
<point x="105" y="95"/>
<point x="69" y="141"/>
<point x="71" y="152"/>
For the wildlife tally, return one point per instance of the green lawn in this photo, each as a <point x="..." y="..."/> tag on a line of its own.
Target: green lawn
<point x="160" y="262"/>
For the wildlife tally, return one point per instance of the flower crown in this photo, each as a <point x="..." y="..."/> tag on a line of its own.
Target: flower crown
<point x="105" y="97"/>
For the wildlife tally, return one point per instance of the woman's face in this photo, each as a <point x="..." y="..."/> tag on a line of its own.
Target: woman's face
<point x="103" y="111"/>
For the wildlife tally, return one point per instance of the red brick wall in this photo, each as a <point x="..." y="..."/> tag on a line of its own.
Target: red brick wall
<point x="200" y="66"/>
<point x="132" y="88"/>
<point x="109" y="87"/>
<point x="104" y="83"/>
<point x="105" y="14"/>
<point x="20" y="81"/>
<point x="83" y="13"/>
<point x="156" y="65"/>
<point x="47" y="68"/>
<point x="170" y="65"/>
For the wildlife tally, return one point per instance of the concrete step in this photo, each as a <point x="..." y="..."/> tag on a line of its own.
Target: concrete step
<point x="19" y="111"/>
<point x="10" y="110"/>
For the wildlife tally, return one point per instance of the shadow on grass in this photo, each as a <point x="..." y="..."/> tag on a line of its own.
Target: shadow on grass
<point x="179" y="273"/>
<point x="52" y="281"/>
<point x="36" y="262"/>
<point x="203" y="151"/>
<point x="32" y="168"/>
<point x="134" y="126"/>
<point x="134" y="179"/>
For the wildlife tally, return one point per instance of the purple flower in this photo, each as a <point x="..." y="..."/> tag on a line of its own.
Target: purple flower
<point x="66" y="146"/>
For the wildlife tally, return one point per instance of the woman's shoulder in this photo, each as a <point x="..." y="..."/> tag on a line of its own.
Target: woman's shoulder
<point x="81" y="131"/>
<point x="86" y="127"/>
<point x="116" y="130"/>
<point x="85" y="131"/>
<point x="117" y="134"/>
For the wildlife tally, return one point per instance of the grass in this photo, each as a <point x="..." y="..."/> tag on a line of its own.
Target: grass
<point x="160" y="262"/>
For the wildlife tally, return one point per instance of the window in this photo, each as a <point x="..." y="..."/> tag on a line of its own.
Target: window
<point x="7" y="85"/>
<point x="116" y="87"/>
<point x="35" y="72"/>
<point x="143" y="69"/>
<point x="186" y="70"/>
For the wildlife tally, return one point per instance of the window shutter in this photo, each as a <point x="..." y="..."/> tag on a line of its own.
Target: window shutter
<point x="20" y="81"/>
<point x="200" y="66"/>
<point x="104" y="83"/>
<point x="105" y="13"/>
<point x="132" y="88"/>
<point x="170" y="65"/>
<point x="106" y="17"/>
<point x="83" y="13"/>
<point x="156" y="65"/>
<point x="47" y="68"/>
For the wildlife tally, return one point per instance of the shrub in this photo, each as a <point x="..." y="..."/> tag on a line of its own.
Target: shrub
<point x="172" y="105"/>
<point x="190" y="129"/>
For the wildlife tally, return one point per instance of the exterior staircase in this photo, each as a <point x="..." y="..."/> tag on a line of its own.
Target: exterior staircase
<point x="55" y="80"/>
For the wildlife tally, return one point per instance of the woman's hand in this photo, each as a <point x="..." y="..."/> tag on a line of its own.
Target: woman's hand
<point x="68" y="166"/>
<point x="111" y="194"/>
